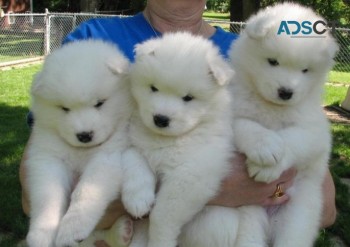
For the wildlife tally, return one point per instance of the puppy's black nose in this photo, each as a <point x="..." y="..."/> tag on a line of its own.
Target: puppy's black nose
<point x="85" y="137"/>
<point x="161" y="121"/>
<point x="285" y="93"/>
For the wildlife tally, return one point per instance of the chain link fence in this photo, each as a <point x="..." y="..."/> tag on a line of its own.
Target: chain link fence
<point x="32" y="36"/>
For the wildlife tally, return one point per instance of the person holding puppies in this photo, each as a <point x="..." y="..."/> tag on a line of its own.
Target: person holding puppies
<point x="161" y="16"/>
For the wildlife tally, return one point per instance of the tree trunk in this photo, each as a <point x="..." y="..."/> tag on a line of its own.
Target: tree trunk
<point x="88" y="5"/>
<point x="240" y="10"/>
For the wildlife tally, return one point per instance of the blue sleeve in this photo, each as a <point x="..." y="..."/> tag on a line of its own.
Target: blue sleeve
<point x="224" y="40"/>
<point x="79" y="33"/>
<point x="83" y="31"/>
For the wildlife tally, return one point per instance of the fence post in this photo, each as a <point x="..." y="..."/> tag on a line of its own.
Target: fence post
<point x="74" y="24"/>
<point x="346" y="103"/>
<point x="47" y="33"/>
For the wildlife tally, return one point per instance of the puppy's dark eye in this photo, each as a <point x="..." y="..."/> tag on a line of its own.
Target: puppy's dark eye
<point x="273" y="62"/>
<point x="305" y="70"/>
<point x="65" y="109"/>
<point x="99" y="103"/>
<point x="154" y="89"/>
<point x="187" y="98"/>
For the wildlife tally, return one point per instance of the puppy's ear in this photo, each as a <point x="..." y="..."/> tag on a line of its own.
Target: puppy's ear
<point x="118" y="66"/>
<point x="220" y="70"/>
<point x="146" y="48"/>
<point x="261" y="24"/>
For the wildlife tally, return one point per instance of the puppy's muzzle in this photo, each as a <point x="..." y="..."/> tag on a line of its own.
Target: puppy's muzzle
<point x="161" y="121"/>
<point x="285" y="93"/>
<point x="85" y="137"/>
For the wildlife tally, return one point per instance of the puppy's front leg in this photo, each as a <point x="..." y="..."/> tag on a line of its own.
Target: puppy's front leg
<point x="183" y="193"/>
<point x="99" y="185"/>
<point x="297" y="222"/>
<point x="138" y="189"/>
<point x="50" y="186"/>
<point x="261" y="145"/>
<point x="264" y="148"/>
<point x="305" y="143"/>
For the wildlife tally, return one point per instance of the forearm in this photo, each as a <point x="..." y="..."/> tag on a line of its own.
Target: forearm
<point x="329" y="213"/>
<point x="22" y="179"/>
<point x="239" y="190"/>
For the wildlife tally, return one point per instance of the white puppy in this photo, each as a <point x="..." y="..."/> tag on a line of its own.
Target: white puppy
<point x="182" y="127"/>
<point x="81" y="105"/>
<point x="279" y="121"/>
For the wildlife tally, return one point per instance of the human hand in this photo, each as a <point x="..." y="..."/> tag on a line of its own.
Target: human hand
<point x="239" y="189"/>
<point x="101" y="243"/>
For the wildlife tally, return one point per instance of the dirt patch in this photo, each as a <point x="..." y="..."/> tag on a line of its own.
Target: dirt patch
<point x="336" y="114"/>
<point x="20" y="63"/>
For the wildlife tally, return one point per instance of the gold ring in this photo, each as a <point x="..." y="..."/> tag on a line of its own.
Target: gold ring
<point x="278" y="192"/>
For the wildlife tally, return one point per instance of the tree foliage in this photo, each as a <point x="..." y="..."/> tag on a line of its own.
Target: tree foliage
<point x="218" y="5"/>
<point x="39" y="6"/>
<point x="331" y="10"/>
<point x="87" y="5"/>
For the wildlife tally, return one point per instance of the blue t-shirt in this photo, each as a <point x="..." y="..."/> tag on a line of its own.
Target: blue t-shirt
<point x="126" y="32"/>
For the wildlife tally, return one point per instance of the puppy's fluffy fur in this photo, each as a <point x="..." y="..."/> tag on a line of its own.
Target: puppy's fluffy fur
<point x="280" y="122"/>
<point x="181" y="126"/>
<point x="81" y="105"/>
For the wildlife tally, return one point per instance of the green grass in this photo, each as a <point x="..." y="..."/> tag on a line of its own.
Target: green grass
<point x="14" y="102"/>
<point x="216" y="16"/>
<point x="14" y="86"/>
<point x="21" y="45"/>
<point x="340" y="77"/>
<point x="334" y="94"/>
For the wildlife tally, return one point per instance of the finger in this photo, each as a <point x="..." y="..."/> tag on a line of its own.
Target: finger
<point x="286" y="184"/>
<point x="101" y="243"/>
<point x="238" y="160"/>
<point x="274" y="201"/>
<point x="288" y="175"/>
<point x="285" y="181"/>
<point x="278" y="196"/>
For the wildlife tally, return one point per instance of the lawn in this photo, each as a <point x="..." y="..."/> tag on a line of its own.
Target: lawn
<point x="14" y="103"/>
<point x="21" y="45"/>
<point x="340" y="77"/>
<point x="14" y="85"/>
<point x="216" y="16"/>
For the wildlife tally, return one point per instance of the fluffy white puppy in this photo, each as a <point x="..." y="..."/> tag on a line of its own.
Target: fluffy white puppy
<point x="181" y="126"/>
<point x="81" y="106"/>
<point x="279" y="121"/>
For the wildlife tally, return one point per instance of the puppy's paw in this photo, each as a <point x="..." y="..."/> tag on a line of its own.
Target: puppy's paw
<point x="41" y="238"/>
<point x="121" y="232"/>
<point x="139" y="204"/>
<point x="267" y="152"/>
<point x="73" y="229"/>
<point x="264" y="174"/>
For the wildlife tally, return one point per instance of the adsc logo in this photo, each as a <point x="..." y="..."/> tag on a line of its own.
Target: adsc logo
<point x="304" y="29"/>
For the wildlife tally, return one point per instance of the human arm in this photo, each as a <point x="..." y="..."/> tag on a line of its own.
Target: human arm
<point x="238" y="189"/>
<point x="329" y="213"/>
